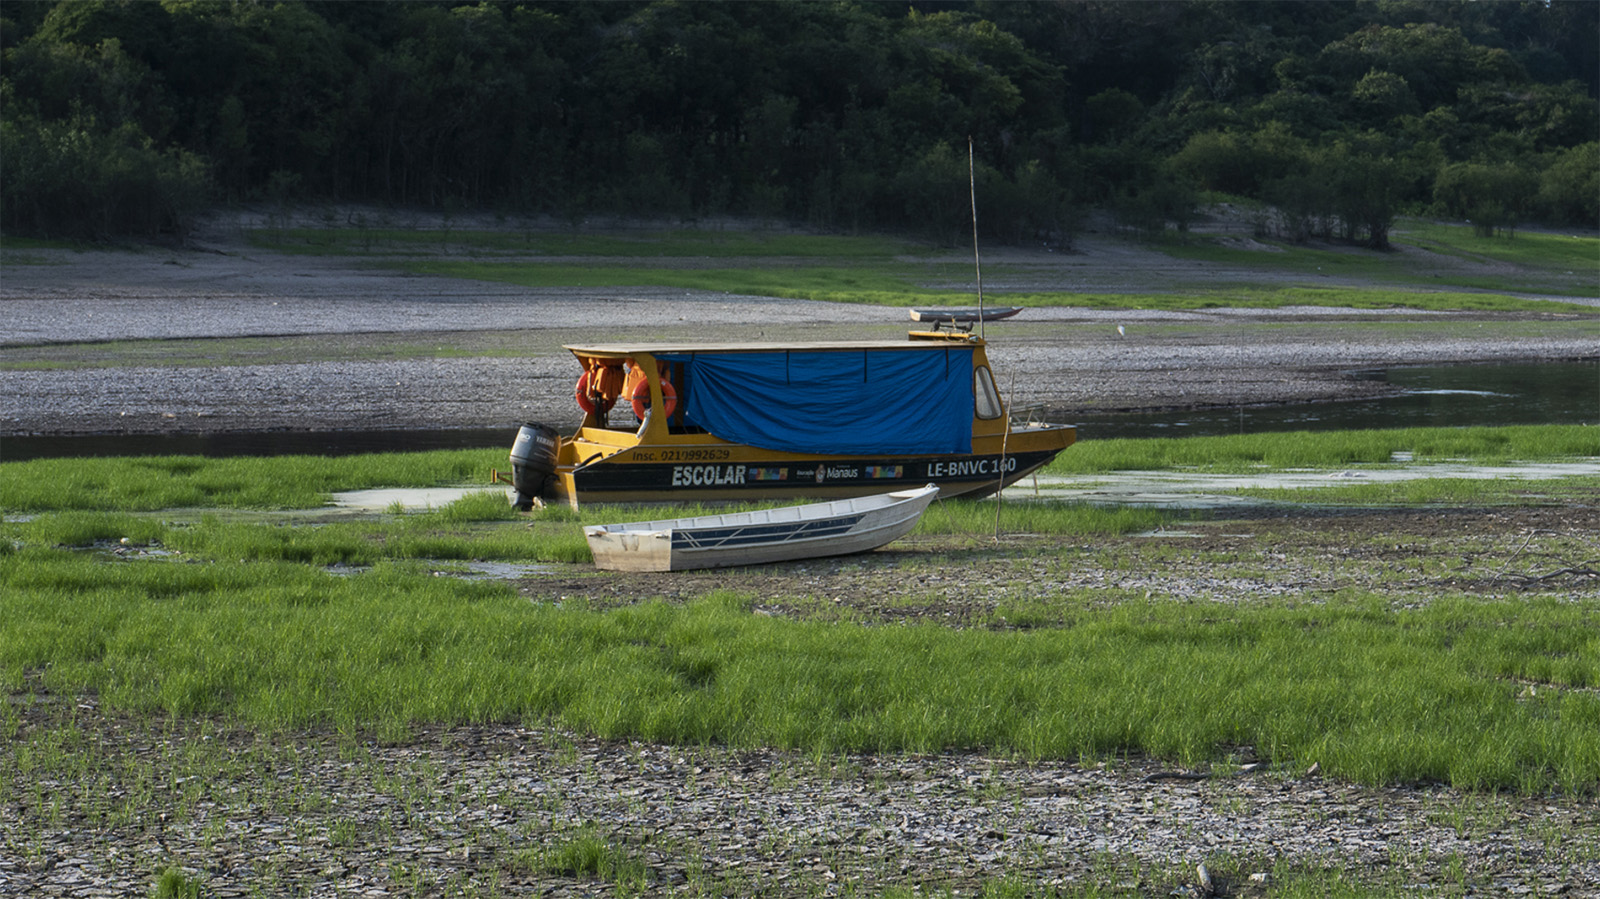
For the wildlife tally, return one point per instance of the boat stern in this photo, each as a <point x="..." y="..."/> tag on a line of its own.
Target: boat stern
<point x="625" y="550"/>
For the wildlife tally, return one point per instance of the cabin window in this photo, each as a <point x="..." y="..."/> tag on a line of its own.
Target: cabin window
<point x="985" y="394"/>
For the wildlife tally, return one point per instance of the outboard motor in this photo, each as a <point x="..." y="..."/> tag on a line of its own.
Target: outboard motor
<point x="533" y="463"/>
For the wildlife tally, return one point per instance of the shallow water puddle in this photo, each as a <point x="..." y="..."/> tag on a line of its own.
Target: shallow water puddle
<point x="493" y="571"/>
<point x="410" y="499"/>
<point x="467" y="571"/>
<point x="1194" y="490"/>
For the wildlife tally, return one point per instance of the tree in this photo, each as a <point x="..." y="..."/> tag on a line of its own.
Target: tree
<point x="935" y="194"/>
<point x="1111" y="115"/>
<point x="1366" y="185"/>
<point x="1491" y="197"/>
<point x="828" y="113"/>
<point x="1384" y="95"/>
<point x="1569" y="187"/>
<point x="1433" y="60"/>
<point x="77" y="179"/>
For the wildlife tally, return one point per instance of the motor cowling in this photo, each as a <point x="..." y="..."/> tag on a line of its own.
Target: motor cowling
<point x="533" y="463"/>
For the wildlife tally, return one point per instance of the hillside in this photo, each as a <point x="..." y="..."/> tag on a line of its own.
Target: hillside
<point x="133" y="118"/>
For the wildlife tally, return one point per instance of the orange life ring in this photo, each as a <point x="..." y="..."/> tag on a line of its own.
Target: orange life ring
<point x="641" y="397"/>
<point x="590" y="401"/>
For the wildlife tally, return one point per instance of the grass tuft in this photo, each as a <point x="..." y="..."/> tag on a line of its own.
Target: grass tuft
<point x="586" y="855"/>
<point x="175" y="884"/>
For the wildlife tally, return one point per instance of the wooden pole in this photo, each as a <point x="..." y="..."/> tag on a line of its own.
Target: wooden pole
<point x="972" y="184"/>
<point x="1005" y="439"/>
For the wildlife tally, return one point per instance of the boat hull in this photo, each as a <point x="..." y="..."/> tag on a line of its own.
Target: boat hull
<point x="721" y="472"/>
<point x="841" y="527"/>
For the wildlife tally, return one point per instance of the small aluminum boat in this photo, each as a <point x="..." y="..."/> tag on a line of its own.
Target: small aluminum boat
<point x="833" y="528"/>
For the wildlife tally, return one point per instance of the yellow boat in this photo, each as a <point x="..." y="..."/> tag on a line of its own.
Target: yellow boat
<point x="715" y="423"/>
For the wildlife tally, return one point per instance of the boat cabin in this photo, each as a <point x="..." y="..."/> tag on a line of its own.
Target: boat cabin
<point x="931" y="394"/>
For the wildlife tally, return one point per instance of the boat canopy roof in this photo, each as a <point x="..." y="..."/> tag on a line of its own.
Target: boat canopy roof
<point x="923" y="341"/>
<point x="858" y="398"/>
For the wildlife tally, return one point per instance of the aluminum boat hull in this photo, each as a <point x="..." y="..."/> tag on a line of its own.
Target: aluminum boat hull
<point x="841" y="527"/>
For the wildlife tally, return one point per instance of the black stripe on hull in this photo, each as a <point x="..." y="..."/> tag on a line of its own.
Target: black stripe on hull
<point x="832" y="477"/>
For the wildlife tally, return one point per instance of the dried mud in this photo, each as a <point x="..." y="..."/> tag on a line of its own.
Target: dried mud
<point x="482" y="810"/>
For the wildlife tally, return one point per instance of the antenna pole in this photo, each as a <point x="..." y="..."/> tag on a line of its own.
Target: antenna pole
<point x="972" y="184"/>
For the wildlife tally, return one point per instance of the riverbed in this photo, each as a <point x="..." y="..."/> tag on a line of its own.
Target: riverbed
<point x="221" y="336"/>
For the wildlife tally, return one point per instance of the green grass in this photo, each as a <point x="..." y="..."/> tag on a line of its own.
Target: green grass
<point x="1439" y="492"/>
<point x="347" y="623"/>
<point x="79" y="769"/>
<point x="883" y="270"/>
<point x="175" y="884"/>
<point x="480" y="526"/>
<point x="151" y="483"/>
<point x="1330" y="449"/>
<point x="1036" y="517"/>
<point x="1534" y="249"/>
<point x="878" y="271"/>
<point x="1559" y="264"/>
<point x="1372" y="694"/>
<point x="147" y="483"/>
<point x="899" y="284"/>
<point x="9" y="242"/>
<point x="885" y="282"/>
<point x="1246" y="297"/>
<point x="647" y="244"/>
<point x="586" y="855"/>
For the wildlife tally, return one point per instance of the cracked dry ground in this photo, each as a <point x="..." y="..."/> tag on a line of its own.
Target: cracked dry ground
<point x="459" y="810"/>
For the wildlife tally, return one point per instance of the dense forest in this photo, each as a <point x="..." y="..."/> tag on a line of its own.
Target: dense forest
<point x="128" y="117"/>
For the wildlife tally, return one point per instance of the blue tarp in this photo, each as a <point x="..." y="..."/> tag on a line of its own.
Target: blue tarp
<point x="833" y="401"/>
